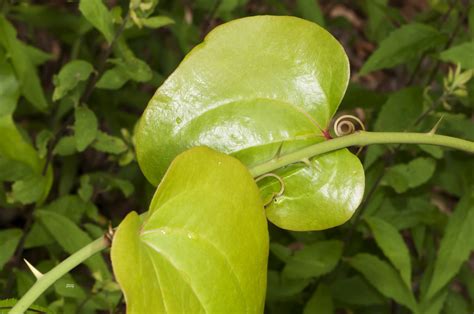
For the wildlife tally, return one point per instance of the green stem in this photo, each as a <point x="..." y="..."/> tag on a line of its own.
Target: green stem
<point x="362" y="138"/>
<point x="57" y="272"/>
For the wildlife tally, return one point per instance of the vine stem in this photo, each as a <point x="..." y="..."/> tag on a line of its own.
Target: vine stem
<point x="57" y="272"/>
<point x="360" y="138"/>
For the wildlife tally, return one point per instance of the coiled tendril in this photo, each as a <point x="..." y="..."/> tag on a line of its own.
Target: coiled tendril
<point x="346" y="124"/>
<point x="274" y="194"/>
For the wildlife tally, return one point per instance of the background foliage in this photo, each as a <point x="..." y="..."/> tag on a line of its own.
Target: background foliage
<point x="75" y="77"/>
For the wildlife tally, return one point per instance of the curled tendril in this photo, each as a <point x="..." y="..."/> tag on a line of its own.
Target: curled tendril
<point x="346" y="124"/>
<point x="274" y="194"/>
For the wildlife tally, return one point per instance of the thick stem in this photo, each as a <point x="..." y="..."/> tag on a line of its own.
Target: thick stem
<point x="362" y="138"/>
<point x="57" y="272"/>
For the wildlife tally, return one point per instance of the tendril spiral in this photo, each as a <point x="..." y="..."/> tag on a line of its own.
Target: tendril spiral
<point x="274" y="194"/>
<point x="346" y="124"/>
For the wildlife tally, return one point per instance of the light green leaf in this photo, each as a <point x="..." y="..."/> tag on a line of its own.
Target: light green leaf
<point x="14" y="147"/>
<point x="24" y="68"/>
<point x="406" y="176"/>
<point x="157" y="21"/>
<point x="29" y="190"/>
<point x="9" y="88"/>
<point x="85" y="127"/>
<point x="310" y="10"/>
<point x="98" y="15"/>
<point x="66" y="146"/>
<point x="193" y="253"/>
<point x="393" y="246"/>
<point x="109" y="144"/>
<point x="314" y="260"/>
<point x="71" y="238"/>
<point x="462" y="54"/>
<point x="69" y="77"/>
<point x="402" y="45"/>
<point x="13" y="170"/>
<point x="9" y="239"/>
<point x="128" y="63"/>
<point x="456" y="244"/>
<point x="384" y="278"/>
<point x="315" y="187"/>
<point x="255" y="87"/>
<point x="114" y="78"/>
<point x="320" y="302"/>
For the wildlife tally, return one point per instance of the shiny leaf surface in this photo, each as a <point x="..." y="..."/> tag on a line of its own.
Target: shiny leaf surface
<point x="254" y="88"/>
<point x="203" y="245"/>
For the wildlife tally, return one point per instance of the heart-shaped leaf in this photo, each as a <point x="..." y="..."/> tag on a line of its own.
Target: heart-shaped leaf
<point x="257" y="86"/>
<point x="203" y="245"/>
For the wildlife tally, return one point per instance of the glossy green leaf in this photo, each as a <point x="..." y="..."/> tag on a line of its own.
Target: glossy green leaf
<point x="85" y="127"/>
<point x="98" y="15"/>
<point x="9" y="239"/>
<point x="384" y="278"/>
<point x="393" y="246"/>
<point x="313" y="260"/>
<point x="255" y="87"/>
<point x="193" y="253"/>
<point x="316" y="197"/>
<point x="402" y="45"/>
<point x="320" y="302"/>
<point x="456" y="245"/>
<point x="70" y="76"/>
<point x="462" y="54"/>
<point x="71" y="238"/>
<point x="25" y="70"/>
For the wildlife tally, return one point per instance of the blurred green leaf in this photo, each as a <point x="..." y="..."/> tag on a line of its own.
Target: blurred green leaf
<point x="98" y="15"/>
<point x="109" y="144"/>
<point x="71" y="238"/>
<point x="393" y="246"/>
<point x="29" y="190"/>
<point x="456" y="244"/>
<point x="114" y="78"/>
<point x="13" y="170"/>
<point x="462" y="54"/>
<point x="456" y="304"/>
<point x="385" y="278"/>
<point x="69" y="77"/>
<point x="355" y="290"/>
<point x="280" y="288"/>
<point x="85" y="127"/>
<point x="314" y="260"/>
<point x="403" y="177"/>
<point x="66" y="146"/>
<point x="402" y="45"/>
<point x="9" y="87"/>
<point x="25" y="70"/>
<point x="320" y="302"/>
<point x="400" y="111"/>
<point x="310" y="10"/>
<point x="157" y="21"/>
<point x="9" y="239"/>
